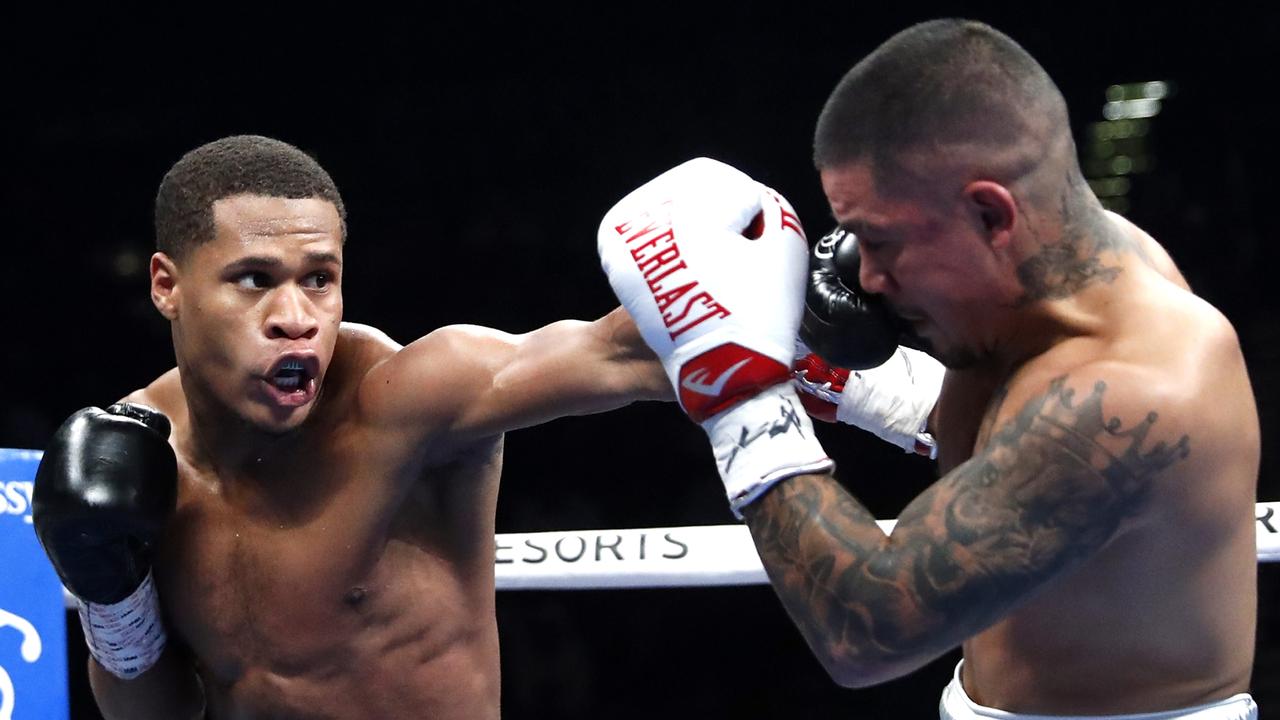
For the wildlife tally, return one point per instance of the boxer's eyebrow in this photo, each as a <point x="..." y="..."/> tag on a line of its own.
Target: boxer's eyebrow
<point x="255" y="262"/>
<point x="318" y="258"/>
<point x="265" y="262"/>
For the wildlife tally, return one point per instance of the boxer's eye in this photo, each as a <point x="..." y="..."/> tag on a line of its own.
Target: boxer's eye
<point x="318" y="281"/>
<point x="253" y="281"/>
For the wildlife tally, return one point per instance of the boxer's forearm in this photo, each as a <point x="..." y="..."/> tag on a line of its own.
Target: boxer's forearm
<point x="629" y="349"/>
<point x="1047" y="491"/>
<point x="169" y="690"/>
<point x="830" y="564"/>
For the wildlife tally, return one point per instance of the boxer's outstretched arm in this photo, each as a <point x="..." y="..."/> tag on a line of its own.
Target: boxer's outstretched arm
<point x="476" y="382"/>
<point x="1059" y="478"/>
<point x="169" y="690"/>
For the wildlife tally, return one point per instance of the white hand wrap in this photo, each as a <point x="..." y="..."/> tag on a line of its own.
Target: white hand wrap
<point x="893" y="401"/>
<point x="761" y="441"/>
<point x="127" y="637"/>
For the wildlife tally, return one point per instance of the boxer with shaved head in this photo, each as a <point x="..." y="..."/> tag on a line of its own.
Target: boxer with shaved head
<point x="1090" y="542"/>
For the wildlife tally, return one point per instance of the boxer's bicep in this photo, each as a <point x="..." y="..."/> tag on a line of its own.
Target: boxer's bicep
<point x="473" y="381"/>
<point x="1070" y="470"/>
<point x="567" y="368"/>
<point x="431" y="384"/>
<point x="1056" y="481"/>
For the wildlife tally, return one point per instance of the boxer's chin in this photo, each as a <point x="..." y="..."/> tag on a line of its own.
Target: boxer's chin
<point x="953" y="358"/>
<point x="923" y="334"/>
<point x="272" y="410"/>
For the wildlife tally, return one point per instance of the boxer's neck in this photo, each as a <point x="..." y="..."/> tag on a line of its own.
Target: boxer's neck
<point x="1082" y="281"/>
<point x="230" y="447"/>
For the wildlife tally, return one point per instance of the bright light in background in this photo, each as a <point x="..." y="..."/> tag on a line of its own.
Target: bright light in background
<point x="1110" y="187"/>
<point x="1127" y="109"/>
<point x="1116" y="148"/>
<point x="1155" y="90"/>
<point x="1119" y="129"/>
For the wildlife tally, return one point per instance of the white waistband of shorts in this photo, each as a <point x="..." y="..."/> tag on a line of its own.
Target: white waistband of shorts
<point x="956" y="705"/>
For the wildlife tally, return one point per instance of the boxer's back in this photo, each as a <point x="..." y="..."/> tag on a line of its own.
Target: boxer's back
<point x="350" y="576"/>
<point x="1163" y="616"/>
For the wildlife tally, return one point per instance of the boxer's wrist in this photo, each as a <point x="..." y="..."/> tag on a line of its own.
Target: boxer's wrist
<point x="761" y="441"/>
<point x="894" y="401"/>
<point x="127" y="637"/>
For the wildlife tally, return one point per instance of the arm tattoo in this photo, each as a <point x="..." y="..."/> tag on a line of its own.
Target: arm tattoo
<point x="989" y="418"/>
<point x="1049" y="488"/>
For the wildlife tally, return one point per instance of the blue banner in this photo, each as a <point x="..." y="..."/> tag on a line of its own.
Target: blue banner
<point x="33" y="630"/>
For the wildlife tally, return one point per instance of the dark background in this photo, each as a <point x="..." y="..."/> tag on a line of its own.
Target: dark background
<point x="476" y="150"/>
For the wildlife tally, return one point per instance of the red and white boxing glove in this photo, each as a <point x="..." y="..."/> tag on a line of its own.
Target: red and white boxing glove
<point x="712" y="267"/>
<point x="892" y="401"/>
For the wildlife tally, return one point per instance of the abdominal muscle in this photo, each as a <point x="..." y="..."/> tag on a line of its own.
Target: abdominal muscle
<point x="1143" y="626"/>
<point x="415" y="639"/>
<point x="406" y="679"/>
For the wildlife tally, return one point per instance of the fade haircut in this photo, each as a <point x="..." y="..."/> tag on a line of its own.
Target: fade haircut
<point x="944" y="86"/>
<point x="237" y="165"/>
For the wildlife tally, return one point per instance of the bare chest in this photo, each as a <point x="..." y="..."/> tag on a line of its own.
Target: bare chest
<point x="966" y="410"/>
<point x="301" y="596"/>
<point x="244" y="591"/>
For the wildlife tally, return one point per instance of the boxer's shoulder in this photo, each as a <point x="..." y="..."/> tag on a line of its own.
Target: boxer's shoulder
<point x="360" y="349"/>
<point x="163" y="394"/>
<point x="420" y="388"/>
<point x="442" y="358"/>
<point x="1157" y="333"/>
<point x="1104" y="400"/>
<point x="1176" y="335"/>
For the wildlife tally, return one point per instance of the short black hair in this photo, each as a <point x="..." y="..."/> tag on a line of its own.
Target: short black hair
<point x="236" y="165"/>
<point x="941" y="83"/>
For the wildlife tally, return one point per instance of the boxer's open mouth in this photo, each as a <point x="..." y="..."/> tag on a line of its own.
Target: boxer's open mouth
<point x="292" y="380"/>
<point x="290" y="375"/>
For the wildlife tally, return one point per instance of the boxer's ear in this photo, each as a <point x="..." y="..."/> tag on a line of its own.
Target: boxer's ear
<point x="164" y="285"/>
<point x="994" y="209"/>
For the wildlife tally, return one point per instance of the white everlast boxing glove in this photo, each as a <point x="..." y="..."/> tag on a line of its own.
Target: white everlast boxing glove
<point x="892" y="401"/>
<point x="712" y="266"/>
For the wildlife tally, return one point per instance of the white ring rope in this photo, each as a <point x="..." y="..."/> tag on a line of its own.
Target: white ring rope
<point x="694" y="556"/>
<point x="698" y="556"/>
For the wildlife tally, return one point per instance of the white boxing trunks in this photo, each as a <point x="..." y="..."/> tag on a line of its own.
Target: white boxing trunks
<point x="956" y="705"/>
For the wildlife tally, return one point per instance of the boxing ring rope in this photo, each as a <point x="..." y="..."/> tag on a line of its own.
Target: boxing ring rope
<point x="692" y="556"/>
<point x="696" y="556"/>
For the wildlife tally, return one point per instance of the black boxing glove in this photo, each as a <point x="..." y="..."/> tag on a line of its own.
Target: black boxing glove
<point x="843" y="324"/>
<point x="105" y="488"/>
